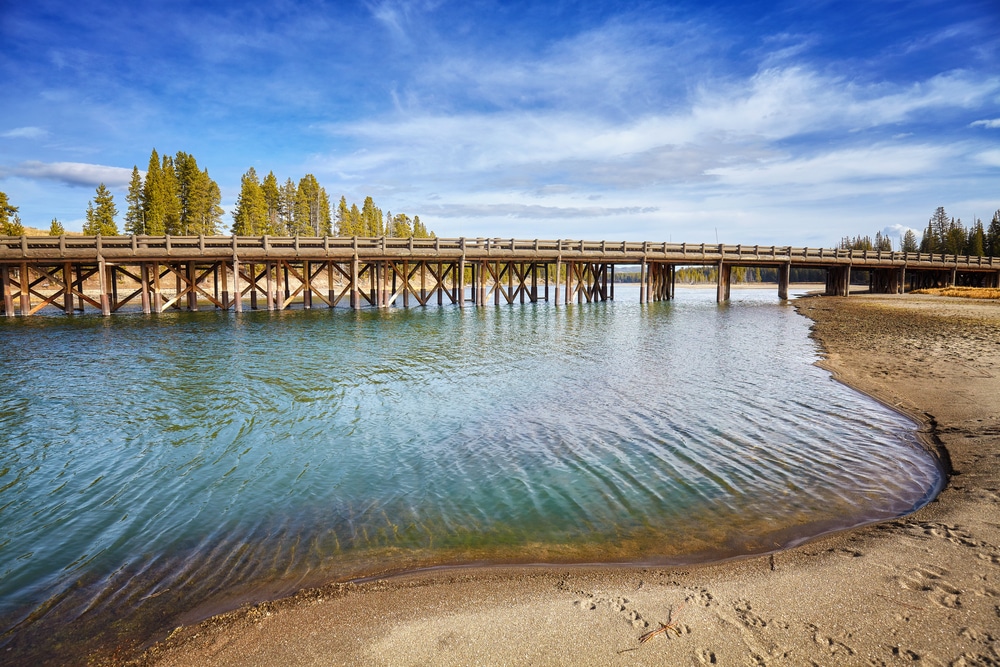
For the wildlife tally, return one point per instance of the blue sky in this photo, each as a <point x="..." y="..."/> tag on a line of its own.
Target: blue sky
<point x="751" y="122"/>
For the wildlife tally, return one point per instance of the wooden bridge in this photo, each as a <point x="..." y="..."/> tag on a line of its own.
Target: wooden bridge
<point x="156" y="273"/>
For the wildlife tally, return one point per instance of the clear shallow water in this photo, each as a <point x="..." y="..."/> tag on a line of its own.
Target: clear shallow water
<point x="151" y="466"/>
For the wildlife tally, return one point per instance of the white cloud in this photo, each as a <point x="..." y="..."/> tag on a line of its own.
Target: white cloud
<point x="990" y="158"/>
<point x="532" y="211"/>
<point x="25" y="133"/>
<point x="74" y="173"/>
<point x="723" y="128"/>
<point x="992" y="124"/>
<point x="897" y="231"/>
<point x="847" y="165"/>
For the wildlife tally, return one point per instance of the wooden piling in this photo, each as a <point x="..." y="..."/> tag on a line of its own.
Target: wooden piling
<point x="8" y="296"/>
<point x="784" y="278"/>
<point x="144" y="279"/>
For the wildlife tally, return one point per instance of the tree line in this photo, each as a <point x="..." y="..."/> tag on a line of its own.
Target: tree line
<point x="264" y="207"/>
<point x="178" y="197"/>
<point x="943" y="234"/>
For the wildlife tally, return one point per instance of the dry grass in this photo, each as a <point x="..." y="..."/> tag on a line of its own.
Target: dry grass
<point x="963" y="292"/>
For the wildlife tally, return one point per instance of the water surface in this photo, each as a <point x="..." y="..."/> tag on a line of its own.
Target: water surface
<point x="157" y="466"/>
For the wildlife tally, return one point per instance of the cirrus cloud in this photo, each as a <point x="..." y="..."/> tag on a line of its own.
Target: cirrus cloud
<point x="74" y="173"/>
<point x="25" y="133"/>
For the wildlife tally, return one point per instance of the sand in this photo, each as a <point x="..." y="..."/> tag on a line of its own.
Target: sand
<point x="922" y="589"/>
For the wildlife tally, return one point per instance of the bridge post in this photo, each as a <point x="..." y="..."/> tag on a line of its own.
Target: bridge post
<point x="144" y="277"/>
<point x="157" y="294"/>
<point x="192" y="280"/>
<point x="237" y="287"/>
<point x="8" y="297"/>
<point x="724" y="284"/>
<point x="25" y="290"/>
<point x="355" y="291"/>
<point x="67" y="275"/>
<point x="642" y="281"/>
<point x="461" y="277"/>
<point x="953" y="280"/>
<point x="556" y="287"/>
<point x="224" y="270"/>
<point x="307" y="297"/>
<point x="570" y="267"/>
<point x="102" y="280"/>
<point x="784" y="278"/>
<point x="268" y="266"/>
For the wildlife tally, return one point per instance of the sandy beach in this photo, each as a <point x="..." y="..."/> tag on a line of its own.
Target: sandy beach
<point x="921" y="589"/>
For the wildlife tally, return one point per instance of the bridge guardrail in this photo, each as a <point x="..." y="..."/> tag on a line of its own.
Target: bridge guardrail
<point x="38" y="248"/>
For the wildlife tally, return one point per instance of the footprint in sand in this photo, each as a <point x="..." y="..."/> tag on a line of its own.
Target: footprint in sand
<point x="834" y="646"/>
<point x="744" y="611"/>
<point x="701" y="598"/>
<point x="706" y="657"/>
<point x="617" y="605"/>
<point x="930" y="579"/>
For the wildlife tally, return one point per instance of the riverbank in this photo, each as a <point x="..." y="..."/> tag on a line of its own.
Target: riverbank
<point x="925" y="587"/>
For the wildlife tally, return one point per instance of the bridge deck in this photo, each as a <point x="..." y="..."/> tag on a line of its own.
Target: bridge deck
<point x="264" y="248"/>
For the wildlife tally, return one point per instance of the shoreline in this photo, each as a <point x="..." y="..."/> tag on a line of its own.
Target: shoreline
<point x="925" y="586"/>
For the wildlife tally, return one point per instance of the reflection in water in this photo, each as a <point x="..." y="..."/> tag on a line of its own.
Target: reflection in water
<point x="153" y="465"/>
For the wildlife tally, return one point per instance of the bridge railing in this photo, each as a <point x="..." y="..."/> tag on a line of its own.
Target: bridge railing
<point x="37" y="248"/>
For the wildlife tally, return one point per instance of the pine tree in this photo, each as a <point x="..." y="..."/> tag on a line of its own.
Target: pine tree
<point x="325" y="219"/>
<point x="402" y="226"/>
<point x="134" y="215"/>
<point x="344" y="226"/>
<point x="9" y="220"/>
<point x="354" y="215"/>
<point x="272" y="197"/>
<point x="153" y="204"/>
<point x="56" y="228"/>
<point x="101" y="212"/>
<point x="213" y="217"/>
<point x="371" y="219"/>
<point x="939" y="225"/>
<point x="929" y="241"/>
<point x="250" y="216"/>
<point x="170" y="195"/>
<point x="419" y="230"/>
<point x="993" y="236"/>
<point x="288" y="195"/>
<point x="198" y="197"/>
<point x="307" y="207"/>
<point x="910" y="242"/>
<point x="955" y="238"/>
<point x="976" y="246"/>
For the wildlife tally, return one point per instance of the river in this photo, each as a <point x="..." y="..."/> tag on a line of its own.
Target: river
<point x="154" y="469"/>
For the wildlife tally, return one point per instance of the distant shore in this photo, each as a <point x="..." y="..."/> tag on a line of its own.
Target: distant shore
<point x="924" y="587"/>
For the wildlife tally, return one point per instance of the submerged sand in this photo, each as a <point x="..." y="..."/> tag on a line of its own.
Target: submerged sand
<point x="921" y="588"/>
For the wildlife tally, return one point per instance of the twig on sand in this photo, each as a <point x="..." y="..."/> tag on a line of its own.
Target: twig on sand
<point x="664" y="628"/>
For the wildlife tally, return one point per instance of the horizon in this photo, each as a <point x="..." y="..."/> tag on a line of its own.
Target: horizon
<point x="784" y="125"/>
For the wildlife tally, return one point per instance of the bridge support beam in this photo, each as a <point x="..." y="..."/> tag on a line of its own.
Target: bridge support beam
<point x="724" y="282"/>
<point x="784" y="278"/>
<point x="838" y="280"/>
